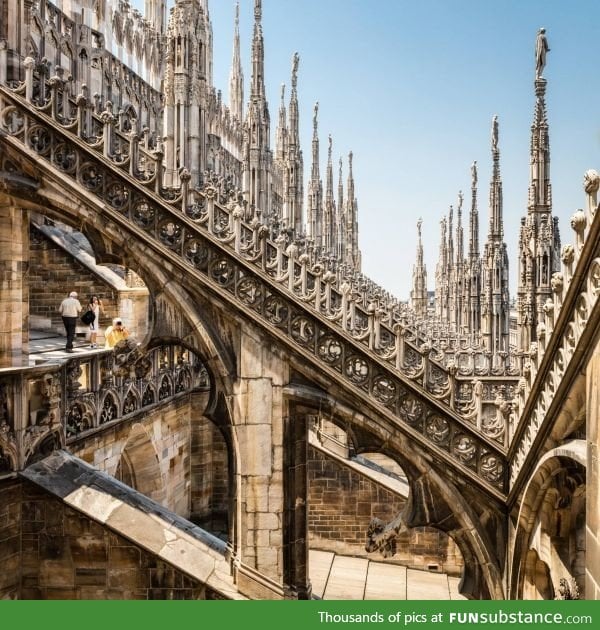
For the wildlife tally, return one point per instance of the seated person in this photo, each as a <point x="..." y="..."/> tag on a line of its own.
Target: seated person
<point x="115" y="333"/>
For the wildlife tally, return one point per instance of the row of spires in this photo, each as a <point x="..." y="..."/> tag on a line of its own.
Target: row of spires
<point x="272" y="181"/>
<point x="471" y="292"/>
<point x="331" y="227"/>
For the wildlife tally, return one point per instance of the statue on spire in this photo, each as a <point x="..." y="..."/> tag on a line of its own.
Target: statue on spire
<point x="495" y="133"/>
<point x="474" y="174"/>
<point x="258" y="10"/>
<point x="460" y="200"/>
<point x="541" y="48"/>
<point x="295" y="62"/>
<point x="419" y="224"/>
<point x="315" y="114"/>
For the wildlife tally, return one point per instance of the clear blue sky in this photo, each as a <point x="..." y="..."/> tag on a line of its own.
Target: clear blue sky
<point x="411" y="87"/>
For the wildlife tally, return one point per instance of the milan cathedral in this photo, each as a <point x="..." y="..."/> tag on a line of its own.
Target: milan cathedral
<point x="472" y="301"/>
<point x="260" y="407"/>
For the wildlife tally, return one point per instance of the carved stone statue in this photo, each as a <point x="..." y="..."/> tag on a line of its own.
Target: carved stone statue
<point x="541" y="48"/>
<point x="474" y="173"/>
<point x="495" y="134"/>
<point x="295" y="62"/>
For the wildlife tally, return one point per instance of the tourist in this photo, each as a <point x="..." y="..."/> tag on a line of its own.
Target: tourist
<point x="115" y="333"/>
<point x="69" y="309"/>
<point x="96" y="307"/>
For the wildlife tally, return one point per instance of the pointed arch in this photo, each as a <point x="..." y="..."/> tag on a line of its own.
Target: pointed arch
<point x="139" y="465"/>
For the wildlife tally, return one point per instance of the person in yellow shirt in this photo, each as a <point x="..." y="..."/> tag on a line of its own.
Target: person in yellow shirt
<point x="115" y="333"/>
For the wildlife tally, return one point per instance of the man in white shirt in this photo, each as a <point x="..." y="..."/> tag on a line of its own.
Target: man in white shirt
<point x="69" y="309"/>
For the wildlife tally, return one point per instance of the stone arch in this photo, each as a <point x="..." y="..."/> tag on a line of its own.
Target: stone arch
<point x="131" y="401"/>
<point x="165" y="387"/>
<point x="210" y="477"/>
<point x="437" y="499"/>
<point x="551" y="523"/>
<point x="198" y="334"/>
<point x="80" y="417"/>
<point x="363" y="488"/>
<point x="42" y="447"/>
<point x="8" y="456"/>
<point x="183" y="379"/>
<point x="139" y="465"/>
<point x="108" y="408"/>
<point x="149" y="395"/>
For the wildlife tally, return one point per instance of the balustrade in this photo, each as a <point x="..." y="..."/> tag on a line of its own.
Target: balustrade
<point x="576" y="289"/>
<point x="48" y="406"/>
<point x="274" y="281"/>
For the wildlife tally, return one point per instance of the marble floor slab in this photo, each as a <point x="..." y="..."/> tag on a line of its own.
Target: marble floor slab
<point x="344" y="577"/>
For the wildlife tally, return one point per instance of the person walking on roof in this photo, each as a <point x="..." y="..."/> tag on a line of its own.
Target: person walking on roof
<point x="69" y="309"/>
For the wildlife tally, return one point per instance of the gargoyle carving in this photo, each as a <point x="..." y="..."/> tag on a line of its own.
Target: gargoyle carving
<point x="382" y="537"/>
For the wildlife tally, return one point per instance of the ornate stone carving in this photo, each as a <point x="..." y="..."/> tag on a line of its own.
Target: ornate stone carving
<point x="567" y="589"/>
<point x="591" y="181"/>
<point x="371" y="350"/>
<point x="129" y="360"/>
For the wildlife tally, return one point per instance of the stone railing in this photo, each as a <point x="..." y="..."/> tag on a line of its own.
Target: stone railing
<point x="563" y="335"/>
<point x="209" y="233"/>
<point x="48" y="406"/>
<point x="466" y="351"/>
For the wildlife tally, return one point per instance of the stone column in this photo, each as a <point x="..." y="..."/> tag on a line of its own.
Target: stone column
<point x="14" y="287"/>
<point x="592" y="538"/>
<point x="258" y="409"/>
<point x="132" y="307"/>
<point x="3" y="59"/>
<point x="295" y="530"/>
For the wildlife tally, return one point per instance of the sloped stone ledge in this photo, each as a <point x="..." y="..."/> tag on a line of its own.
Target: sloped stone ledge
<point x="130" y="514"/>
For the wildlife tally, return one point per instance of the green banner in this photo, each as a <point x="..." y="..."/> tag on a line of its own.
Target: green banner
<point x="289" y="615"/>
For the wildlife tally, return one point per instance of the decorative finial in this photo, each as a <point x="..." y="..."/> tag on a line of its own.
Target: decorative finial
<point x="350" y="160"/>
<point x="541" y="48"/>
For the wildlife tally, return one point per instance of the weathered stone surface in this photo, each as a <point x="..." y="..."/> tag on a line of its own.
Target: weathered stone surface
<point x="592" y="542"/>
<point x="93" y="501"/>
<point x="83" y="558"/>
<point x="255" y="448"/>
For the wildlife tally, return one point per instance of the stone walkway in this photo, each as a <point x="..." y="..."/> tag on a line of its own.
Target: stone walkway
<point x="344" y="577"/>
<point x="48" y="346"/>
